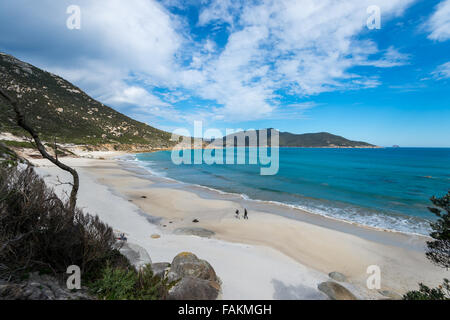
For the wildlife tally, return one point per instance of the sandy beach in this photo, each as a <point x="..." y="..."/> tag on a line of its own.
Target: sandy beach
<point x="278" y="253"/>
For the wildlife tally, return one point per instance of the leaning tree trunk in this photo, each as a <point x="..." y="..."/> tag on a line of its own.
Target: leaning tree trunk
<point x="22" y="123"/>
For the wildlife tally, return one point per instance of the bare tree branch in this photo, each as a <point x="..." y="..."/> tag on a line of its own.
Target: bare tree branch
<point x="55" y="148"/>
<point x="22" y="123"/>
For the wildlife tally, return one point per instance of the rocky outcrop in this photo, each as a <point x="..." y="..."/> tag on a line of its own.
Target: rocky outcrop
<point x="189" y="288"/>
<point x="81" y="118"/>
<point x="136" y="254"/>
<point x="194" y="278"/>
<point x="187" y="264"/>
<point x="160" y="269"/>
<point x="335" y="291"/>
<point x="40" y="287"/>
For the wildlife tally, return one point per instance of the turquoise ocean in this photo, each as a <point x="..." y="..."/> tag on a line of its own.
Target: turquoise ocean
<point x="387" y="188"/>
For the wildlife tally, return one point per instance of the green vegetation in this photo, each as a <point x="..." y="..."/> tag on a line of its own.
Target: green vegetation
<point x="38" y="232"/>
<point x="307" y="140"/>
<point x="425" y="293"/>
<point x="7" y="156"/>
<point x="18" y="144"/>
<point x="129" y="284"/>
<point x="321" y="139"/>
<point x="56" y="108"/>
<point x="438" y="251"/>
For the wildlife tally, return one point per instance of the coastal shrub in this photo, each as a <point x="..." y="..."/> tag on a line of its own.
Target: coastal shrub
<point x="442" y="292"/>
<point x="18" y="144"/>
<point x="438" y="251"/>
<point x="39" y="232"/>
<point x="114" y="284"/>
<point x="129" y="284"/>
<point x="114" y="259"/>
<point x="151" y="287"/>
<point x="8" y="158"/>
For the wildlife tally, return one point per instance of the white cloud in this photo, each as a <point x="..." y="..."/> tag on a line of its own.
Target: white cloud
<point x="117" y="43"/>
<point x="391" y="58"/>
<point x="303" y="105"/>
<point x="134" y="95"/>
<point x="142" y="37"/>
<point x="300" y="47"/>
<point x="439" y="23"/>
<point x="442" y="71"/>
<point x="223" y="11"/>
<point x="303" y="47"/>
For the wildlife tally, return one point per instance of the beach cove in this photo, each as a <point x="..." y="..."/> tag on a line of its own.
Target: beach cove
<point x="278" y="253"/>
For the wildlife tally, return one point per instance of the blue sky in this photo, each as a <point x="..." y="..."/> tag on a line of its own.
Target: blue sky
<point x="295" y="65"/>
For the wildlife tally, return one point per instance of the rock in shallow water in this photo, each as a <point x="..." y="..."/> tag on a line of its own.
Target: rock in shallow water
<point x="335" y="291"/>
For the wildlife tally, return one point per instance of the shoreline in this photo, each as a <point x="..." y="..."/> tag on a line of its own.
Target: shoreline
<point x="244" y="197"/>
<point x="371" y="233"/>
<point x="319" y="244"/>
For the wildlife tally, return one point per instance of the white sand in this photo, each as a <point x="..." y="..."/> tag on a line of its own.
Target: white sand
<point x="246" y="271"/>
<point x="269" y="256"/>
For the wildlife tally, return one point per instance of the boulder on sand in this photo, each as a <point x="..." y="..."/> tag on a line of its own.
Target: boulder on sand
<point x="195" y="279"/>
<point x="136" y="254"/>
<point x="335" y="291"/>
<point x="159" y="269"/>
<point x="337" y="276"/>
<point x="187" y="264"/>
<point x="189" y="288"/>
<point x="390" y="294"/>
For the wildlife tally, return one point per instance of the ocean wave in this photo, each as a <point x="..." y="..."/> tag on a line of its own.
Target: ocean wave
<point x="147" y="165"/>
<point x="354" y="215"/>
<point x="381" y="221"/>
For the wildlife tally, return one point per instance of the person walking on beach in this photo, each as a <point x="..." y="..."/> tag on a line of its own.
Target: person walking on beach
<point x="245" y="214"/>
<point x="237" y="213"/>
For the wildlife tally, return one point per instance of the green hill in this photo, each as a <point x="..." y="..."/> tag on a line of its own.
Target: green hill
<point x="321" y="139"/>
<point x="306" y="140"/>
<point x="57" y="108"/>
